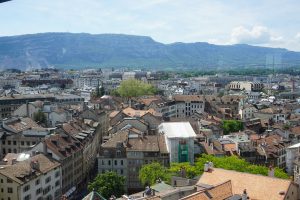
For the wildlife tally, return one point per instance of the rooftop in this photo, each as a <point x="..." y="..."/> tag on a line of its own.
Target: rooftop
<point x="177" y="130"/>
<point x="257" y="186"/>
<point x="21" y="172"/>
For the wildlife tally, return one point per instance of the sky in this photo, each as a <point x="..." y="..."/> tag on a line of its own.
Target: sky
<point x="271" y="23"/>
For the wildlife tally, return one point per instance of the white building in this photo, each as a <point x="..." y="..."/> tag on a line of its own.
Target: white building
<point x="88" y="81"/>
<point x="9" y="81"/>
<point x="128" y="75"/>
<point x="36" y="177"/>
<point x="246" y="85"/>
<point x="187" y="105"/>
<point x="247" y="111"/>
<point x="179" y="137"/>
<point x="292" y="153"/>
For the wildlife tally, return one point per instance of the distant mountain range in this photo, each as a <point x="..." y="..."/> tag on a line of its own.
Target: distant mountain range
<point x="79" y="50"/>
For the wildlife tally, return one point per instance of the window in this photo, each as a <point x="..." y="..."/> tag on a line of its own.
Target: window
<point x="48" y="179"/>
<point x="22" y="142"/>
<point x="46" y="190"/>
<point x="118" y="152"/>
<point x="37" y="182"/>
<point x="27" y="197"/>
<point x="9" y="180"/>
<point x="121" y="162"/>
<point x="28" y="143"/>
<point x="9" y="142"/>
<point x="57" y="192"/>
<point x="116" y="162"/>
<point x="3" y="141"/>
<point x="109" y="162"/>
<point x="26" y="188"/>
<point x="56" y="174"/>
<point x="49" y="197"/>
<point x="1" y="180"/>
<point x="15" y="142"/>
<point x="57" y="183"/>
<point x="38" y="191"/>
<point x="9" y="190"/>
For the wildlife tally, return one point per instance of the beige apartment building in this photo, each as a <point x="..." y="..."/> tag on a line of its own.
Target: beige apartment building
<point x="246" y="85"/>
<point x="37" y="177"/>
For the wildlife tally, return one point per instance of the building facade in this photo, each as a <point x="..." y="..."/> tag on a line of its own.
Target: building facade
<point x="38" y="177"/>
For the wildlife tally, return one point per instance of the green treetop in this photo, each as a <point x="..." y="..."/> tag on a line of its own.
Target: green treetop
<point x="230" y="126"/>
<point x="40" y="117"/>
<point x="134" y="88"/>
<point x="149" y="173"/>
<point x="108" y="184"/>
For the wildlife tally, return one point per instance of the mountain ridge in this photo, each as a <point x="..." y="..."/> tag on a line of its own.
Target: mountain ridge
<point x="77" y="50"/>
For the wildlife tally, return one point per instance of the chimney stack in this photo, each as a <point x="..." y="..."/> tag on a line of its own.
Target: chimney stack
<point x="13" y="161"/>
<point x="45" y="150"/>
<point x="271" y="171"/>
<point x="35" y="165"/>
<point x="206" y="167"/>
<point x="27" y="109"/>
<point x="245" y="195"/>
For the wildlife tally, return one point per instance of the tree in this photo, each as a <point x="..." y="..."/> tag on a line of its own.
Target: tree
<point x="190" y="170"/>
<point x="102" y="90"/>
<point x="151" y="172"/>
<point x="236" y="164"/>
<point x="286" y="126"/>
<point x="114" y="92"/>
<point x="108" y="184"/>
<point x="39" y="116"/>
<point x="134" y="88"/>
<point x="230" y="126"/>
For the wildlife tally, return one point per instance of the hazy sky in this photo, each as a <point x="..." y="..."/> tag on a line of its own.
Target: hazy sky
<point x="266" y="23"/>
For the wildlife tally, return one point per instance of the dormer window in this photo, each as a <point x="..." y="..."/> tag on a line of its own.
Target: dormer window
<point x="118" y="153"/>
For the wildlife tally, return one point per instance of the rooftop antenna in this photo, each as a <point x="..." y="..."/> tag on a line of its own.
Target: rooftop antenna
<point x="273" y="64"/>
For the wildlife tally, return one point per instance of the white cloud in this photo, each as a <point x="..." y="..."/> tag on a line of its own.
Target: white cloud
<point x="297" y="36"/>
<point x="257" y="35"/>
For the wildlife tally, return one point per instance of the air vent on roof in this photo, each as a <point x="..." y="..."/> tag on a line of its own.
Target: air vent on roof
<point x="24" y="123"/>
<point x="282" y="193"/>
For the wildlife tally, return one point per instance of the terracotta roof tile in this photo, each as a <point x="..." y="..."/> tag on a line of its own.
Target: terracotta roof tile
<point x="257" y="186"/>
<point x="188" y="98"/>
<point x="21" y="172"/>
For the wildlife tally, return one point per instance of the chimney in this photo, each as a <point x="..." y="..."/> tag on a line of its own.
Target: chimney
<point x="206" y="167"/>
<point x="271" y="171"/>
<point x="183" y="172"/>
<point x="13" y="161"/>
<point x="245" y="195"/>
<point x="35" y="165"/>
<point x="211" y="165"/>
<point x="45" y="148"/>
<point x="27" y="109"/>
